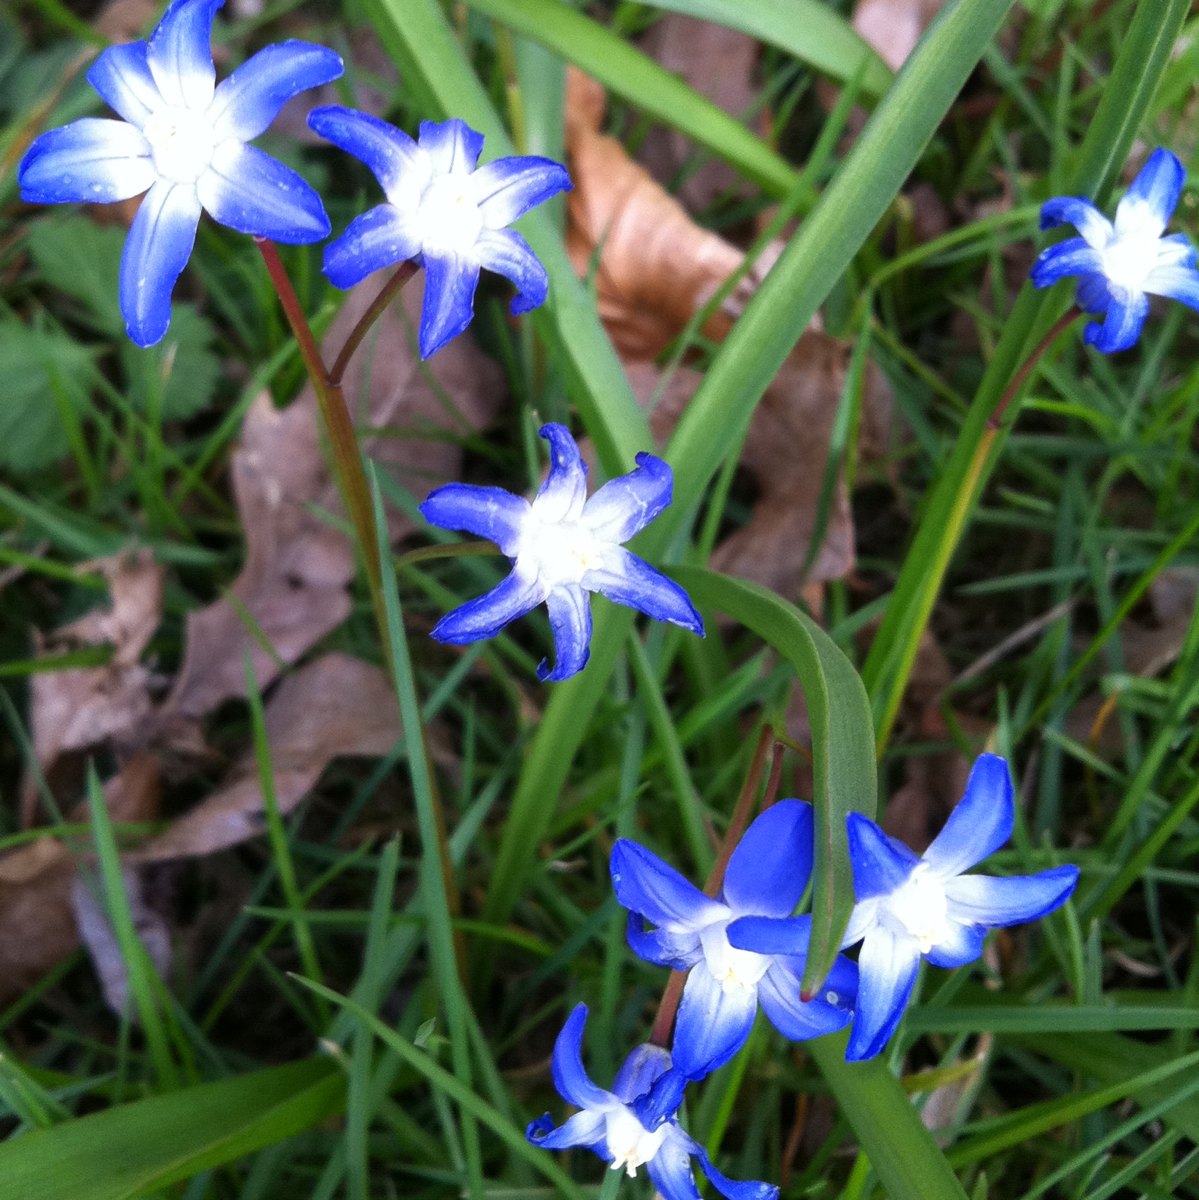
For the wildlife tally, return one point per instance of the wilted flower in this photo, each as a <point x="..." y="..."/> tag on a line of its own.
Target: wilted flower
<point x="1120" y="266"/>
<point x="563" y="546"/>
<point x="766" y="876"/>
<point x="185" y="139"/>
<point x="634" y="1124"/>
<point x="441" y="211"/>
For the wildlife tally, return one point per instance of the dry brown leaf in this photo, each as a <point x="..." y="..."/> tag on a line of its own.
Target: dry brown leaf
<point x="334" y="706"/>
<point x="893" y="27"/>
<point x="37" y="925"/>
<point x="77" y="709"/>
<point x="718" y="62"/>
<point x="298" y="566"/>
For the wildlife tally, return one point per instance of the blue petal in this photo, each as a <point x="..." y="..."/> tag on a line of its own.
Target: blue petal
<point x="1093" y="294"/>
<point x="246" y="189"/>
<point x="880" y="864"/>
<point x="887" y="967"/>
<point x="629" y="580"/>
<point x="88" y="161"/>
<point x="769" y="869"/>
<point x="449" y="302"/>
<point x="506" y="253"/>
<point x="670" y="1169"/>
<point x="1175" y="250"/>
<point x="963" y="945"/>
<point x="1095" y="228"/>
<point x="639" y="1072"/>
<point x="570" y="622"/>
<point x="508" y="187"/>
<point x="1009" y="901"/>
<point x="779" y="991"/>
<point x="1071" y="257"/>
<point x="678" y="949"/>
<point x="487" y="614"/>
<point x="749" y="1189"/>
<point x="1178" y="283"/>
<point x="771" y="935"/>
<point x="981" y="822"/>
<point x="157" y="249"/>
<point x="122" y="77"/>
<point x="452" y="146"/>
<point x="250" y="99"/>
<point x="179" y="53"/>
<point x="379" y="238"/>
<point x="1125" y="319"/>
<point x="645" y="884"/>
<point x="389" y="152"/>
<point x="587" y="1129"/>
<point x="1152" y="196"/>
<point x="626" y="505"/>
<point x="487" y="512"/>
<point x="565" y="487"/>
<point x="570" y="1078"/>
<point x="712" y="1024"/>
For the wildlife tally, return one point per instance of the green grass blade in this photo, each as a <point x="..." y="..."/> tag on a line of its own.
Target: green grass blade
<point x="888" y="1128"/>
<point x="808" y="29"/>
<point x="417" y="35"/>
<point x="843" y="754"/>
<point x="134" y="1149"/>
<point x="627" y="71"/>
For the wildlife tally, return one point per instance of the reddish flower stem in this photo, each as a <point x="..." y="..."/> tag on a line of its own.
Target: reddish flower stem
<point x="669" y="1004"/>
<point x="1025" y="369"/>
<point x="387" y="293"/>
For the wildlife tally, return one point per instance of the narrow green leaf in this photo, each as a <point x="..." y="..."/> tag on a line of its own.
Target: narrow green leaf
<point x="137" y="1148"/>
<point x="808" y="29"/>
<point x="843" y="754"/>
<point x="888" y="1128"/>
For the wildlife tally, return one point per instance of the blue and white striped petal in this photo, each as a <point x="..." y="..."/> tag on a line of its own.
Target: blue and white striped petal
<point x="1010" y="900"/>
<point x="980" y="823"/>
<point x="570" y="1077"/>
<point x="769" y="869"/>
<point x="251" y="192"/>
<point x="487" y="512"/>
<point x="394" y="159"/>
<point x="122" y="76"/>
<point x="712" y="1024"/>
<point x="486" y="615"/>
<point x="508" y="187"/>
<point x="880" y="863"/>
<point x="1178" y="283"/>
<point x="748" y="1189"/>
<point x="379" y="238"/>
<point x="1074" y="256"/>
<point x="245" y="103"/>
<point x="449" y="302"/>
<point x="92" y="160"/>
<point x="887" y="967"/>
<point x="506" y="253"/>
<point x="587" y="1130"/>
<point x="179" y="53"/>
<point x="629" y="580"/>
<point x="677" y="949"/>
<point x="624" y="506"/>
<point x="799" y="1020"/>
<point x="452" y="146"/>
<point x="570" y="622"/>
<point x="1095" y="228"/>
<point x="646" y="885"/>
<point x="1126" y="316"/>
<point x="156" y="251"/>
<point x="1151" y="197"/>
<point x="562" y="494"/>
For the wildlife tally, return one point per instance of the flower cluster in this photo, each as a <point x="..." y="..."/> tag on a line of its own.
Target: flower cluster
<point x="744" y="947"/>
<point x="183" y="140"/>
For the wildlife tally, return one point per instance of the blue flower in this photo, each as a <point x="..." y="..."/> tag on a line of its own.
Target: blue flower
<point x="185" y="140"/>
<point x="634" y="1124"/>
<point x="441" y="211"/>
<point x="1120" y="266"/>
<point x="766" y="876"/>
<point x="562" y="546"/>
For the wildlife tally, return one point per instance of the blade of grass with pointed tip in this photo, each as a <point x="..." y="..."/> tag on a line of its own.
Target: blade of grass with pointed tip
<point x="808" y="29"/>
<point x="843" y="754"/>
<point x="134" y="1149"/>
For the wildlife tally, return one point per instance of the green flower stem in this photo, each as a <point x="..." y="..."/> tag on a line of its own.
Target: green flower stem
<point x="339" y="428"/>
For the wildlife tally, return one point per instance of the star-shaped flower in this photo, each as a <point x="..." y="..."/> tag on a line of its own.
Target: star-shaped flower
<point x="634" y="1124"/>
<point x="1120" y="266"/>
<point x="563" y="546"/>
<point x="909" y="908"/>
<point x="766" y="876"/>
<point x="441" y="211"/>
<point x="184" y="139"/>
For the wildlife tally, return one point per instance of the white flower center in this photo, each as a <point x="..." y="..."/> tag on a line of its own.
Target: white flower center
<point x="1127" y="261"/>
<point x="631" y="1144"/>
<point x="920" y="908"/>
<point x="181" y="142"/>
<point x="449" y="216"/>
<point x="733" y="969"/>
<point x="558" y="551"/>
